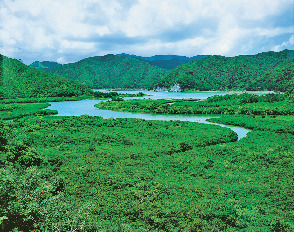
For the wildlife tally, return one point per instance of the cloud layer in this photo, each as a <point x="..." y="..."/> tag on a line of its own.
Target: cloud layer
<point x="69" y="30"/>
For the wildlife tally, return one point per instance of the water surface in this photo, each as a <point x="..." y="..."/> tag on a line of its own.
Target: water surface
<point x="181" y="95"/>
<point x="77" y="108"/>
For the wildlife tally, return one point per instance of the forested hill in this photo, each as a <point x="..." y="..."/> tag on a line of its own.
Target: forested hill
<point x="111" y="71"/>
<point x="44" y="64"/>
<point x="264" y="71"/>
<point x="21" y="81"/>
<point x="168" y="62"/>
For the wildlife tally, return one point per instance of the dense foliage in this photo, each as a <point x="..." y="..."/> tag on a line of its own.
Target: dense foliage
<point x="111" y="71"/>
<point x="93" y="174"/>
<point x="279" y="78"/>
<point x="278" y="124"/>
<point x="21" y="81"/>
<point x="168" y="62"/>
<point x="272" y="104"/>
<point x="22" y="84"/>
<point x="264" y="71"/>
<point x="42" y="100"/>
<point x="101" y="169"/>
<point x="87" y="174"/>
<point x="19" y="110"/>
<point x="1" y="83"/>
<point x="44" y="64"/>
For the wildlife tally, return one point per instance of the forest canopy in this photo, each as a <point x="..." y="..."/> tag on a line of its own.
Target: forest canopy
<point x="21" y="81"/>
<point x="265" y="71"/>
<point x="111" y="71"/>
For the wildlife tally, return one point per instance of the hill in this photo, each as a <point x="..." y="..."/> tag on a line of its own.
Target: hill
<point x="111" y="71"/>
<point x="21" y="81"/>
<point x="264" y="71"/>
<point x="44" y="64"/>
<point x="168" y="62"/>
<point x="282" y="74"/>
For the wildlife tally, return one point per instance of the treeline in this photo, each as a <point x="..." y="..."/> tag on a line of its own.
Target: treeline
<point x="264" y="71"/>
<point x="111" y="71"/>
<point x="44" y="64"/>
<point x="250" y="104"/>
<point x="168" y="62"/>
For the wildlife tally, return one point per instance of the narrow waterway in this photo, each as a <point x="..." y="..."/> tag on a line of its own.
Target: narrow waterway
<point x="77" y="108"/>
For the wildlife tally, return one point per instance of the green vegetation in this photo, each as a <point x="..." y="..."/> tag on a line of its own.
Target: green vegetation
<point x="87" y="174"/>
<point x="21" y="81"/>
<point x="278" y="124"/>
<point x="93" y="174"/>
<point x="19" y="110"/>
<point x="44" y="64"/>
<point x="168" y="62"/>
<point x="47" y="99"/>
<point x="95" y="95"/>
<point x="22" y="84"/>
<point x="1" y="83"/>
<point x="280" y="78"/>
<point x="264" y="71"/>
<point x="51" y="165"/>
<point x="111" y="71"/>
<point x="269" y="104"/>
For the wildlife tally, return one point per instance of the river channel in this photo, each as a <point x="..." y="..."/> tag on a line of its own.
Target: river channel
<point x="77" y="108"/>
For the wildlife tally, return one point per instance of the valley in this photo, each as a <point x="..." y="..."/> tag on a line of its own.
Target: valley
<point x="131" y="161"/>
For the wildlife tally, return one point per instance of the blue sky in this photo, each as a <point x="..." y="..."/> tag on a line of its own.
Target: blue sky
<point x="70" y="30"/>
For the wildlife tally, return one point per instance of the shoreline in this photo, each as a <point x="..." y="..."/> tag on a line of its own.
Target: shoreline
<point x="189" y="91"/>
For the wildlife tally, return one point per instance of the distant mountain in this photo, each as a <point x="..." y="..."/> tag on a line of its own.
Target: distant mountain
<point x="264" y="71"/>
<point x="44" y="64"/>
<point x="168" y="62"/>
<point x="21" y="81"/>
<point x="111" y="71"/>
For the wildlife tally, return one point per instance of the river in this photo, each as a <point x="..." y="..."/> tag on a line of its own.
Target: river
<point x="77" y="108"/>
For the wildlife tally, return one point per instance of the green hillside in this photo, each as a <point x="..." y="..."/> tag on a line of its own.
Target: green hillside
<point x="168" y="62"/>
<point x="21" y="81"/>
<point x="264" y="71"/>
<point x="111" y="71"/>
<point x="1" y="80"/>
<point x="44" y="64"/>
<point x="282" y="74"/>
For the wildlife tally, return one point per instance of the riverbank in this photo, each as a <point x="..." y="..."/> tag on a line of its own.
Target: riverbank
<point x="131" y="172"/>
<point x="135" y="174"/>
<point x="247" y="104"/>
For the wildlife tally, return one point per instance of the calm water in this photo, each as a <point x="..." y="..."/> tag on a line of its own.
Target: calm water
<point x="180" y="95"/>
<point x="77" y="108"/>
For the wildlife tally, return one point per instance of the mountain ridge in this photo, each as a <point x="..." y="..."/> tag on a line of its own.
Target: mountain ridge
<point x="168" y="62"/>
<point x="110" y="71"/>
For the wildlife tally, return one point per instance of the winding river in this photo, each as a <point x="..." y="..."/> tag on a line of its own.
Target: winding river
<point x="77" y="108"/>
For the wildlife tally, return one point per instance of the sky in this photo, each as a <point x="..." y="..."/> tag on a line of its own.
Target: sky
<point x="70" y="30"/>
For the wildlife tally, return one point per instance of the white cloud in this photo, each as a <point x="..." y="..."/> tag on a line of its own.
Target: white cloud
<point x="273" y="31"/>
<point x="284" y="45"/>
<point x="67" y="46"/>
<point x="69" y="29"/>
